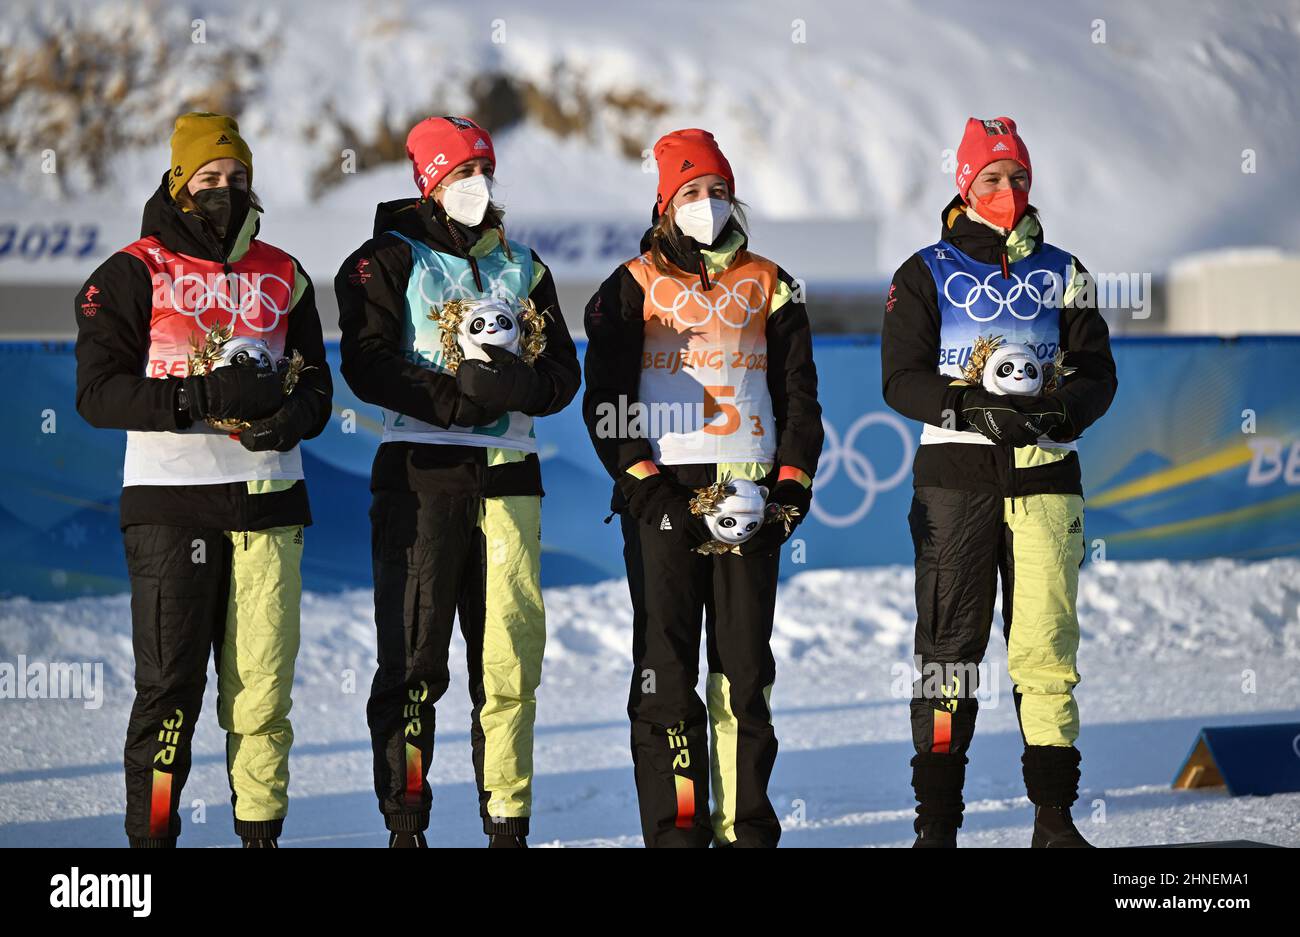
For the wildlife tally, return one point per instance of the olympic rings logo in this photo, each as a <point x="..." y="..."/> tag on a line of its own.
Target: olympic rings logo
<point x="691" y="307"/>
<point x="1039" y="294"/>
<point x="196" y="295"/>
<point x="858" y="467"/>
<point x="461" y="286"/>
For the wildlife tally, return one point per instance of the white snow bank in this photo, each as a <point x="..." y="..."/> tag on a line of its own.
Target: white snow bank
<point x="1167" y="648"/>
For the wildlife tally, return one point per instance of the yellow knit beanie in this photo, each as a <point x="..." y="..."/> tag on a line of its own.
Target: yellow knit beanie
<point x="198" y="139"/>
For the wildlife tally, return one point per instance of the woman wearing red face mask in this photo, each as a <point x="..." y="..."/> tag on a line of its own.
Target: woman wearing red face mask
<point x="997" y="481"/>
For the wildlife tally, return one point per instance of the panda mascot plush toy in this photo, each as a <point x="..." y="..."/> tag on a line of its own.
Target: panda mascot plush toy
<point x="488" y="322"/>
<point x="733" y="511"/>
<point x="470" y="326"/>
<point x="1013" y="369"/>
<point x="246" y="352"/>
<point x="224" y="350"/>
<point x="221" y="348"/>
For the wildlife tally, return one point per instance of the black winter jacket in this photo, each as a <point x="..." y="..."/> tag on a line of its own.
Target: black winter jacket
<point x="113" y="393"/>
<point x="615" y="325"/>
<point x="909" y="351"/>
<point x="372" y="319"/>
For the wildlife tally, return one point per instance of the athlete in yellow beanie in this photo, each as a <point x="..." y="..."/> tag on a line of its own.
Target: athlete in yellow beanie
<point x="212" y="517"/>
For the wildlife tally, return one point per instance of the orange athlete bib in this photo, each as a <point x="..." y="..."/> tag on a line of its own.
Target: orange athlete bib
<point x="704" y="363"/>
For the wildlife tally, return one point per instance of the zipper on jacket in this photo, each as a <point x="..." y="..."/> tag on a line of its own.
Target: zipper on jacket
<point x="1006" y="270"/>
<point x="461" y="246"/>
<point x="217" y="243"/>
<point x="704" y="276"/>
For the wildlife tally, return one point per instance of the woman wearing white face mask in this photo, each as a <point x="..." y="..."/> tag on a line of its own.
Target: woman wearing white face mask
<point x="714" y="343"/>
<point x="457" y="470"/>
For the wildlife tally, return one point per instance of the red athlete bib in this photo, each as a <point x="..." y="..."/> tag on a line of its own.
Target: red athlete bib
<point x="190" y="297"/>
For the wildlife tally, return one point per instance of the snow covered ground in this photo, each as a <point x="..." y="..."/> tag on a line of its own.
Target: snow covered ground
<point x="1167" y="648"/>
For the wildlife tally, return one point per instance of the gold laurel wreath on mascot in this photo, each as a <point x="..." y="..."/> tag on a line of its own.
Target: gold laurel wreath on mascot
<point x="532" y="339"/>
<point x="973" y="371"/>
<point x="207" y="353"/>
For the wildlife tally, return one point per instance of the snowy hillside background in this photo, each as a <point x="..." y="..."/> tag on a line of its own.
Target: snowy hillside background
<point x="1145" y="129"/>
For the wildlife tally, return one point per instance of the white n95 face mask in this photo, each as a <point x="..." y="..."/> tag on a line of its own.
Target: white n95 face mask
<point x="703" y="219"/>
<point x="466" y="200"/>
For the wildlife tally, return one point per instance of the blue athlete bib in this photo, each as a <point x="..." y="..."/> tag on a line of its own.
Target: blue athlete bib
<point x="976" y="299"/>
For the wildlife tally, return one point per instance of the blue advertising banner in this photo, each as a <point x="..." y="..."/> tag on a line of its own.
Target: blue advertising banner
<point x="1199" y="456"/>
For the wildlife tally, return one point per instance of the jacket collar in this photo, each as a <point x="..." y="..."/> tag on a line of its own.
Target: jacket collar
<point x="185" y="232"/>
<point x="985" y="243"/>
<point x="689" y="253"/>
<point x="422" y="220"/>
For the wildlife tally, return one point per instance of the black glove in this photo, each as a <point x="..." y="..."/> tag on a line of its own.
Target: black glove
<point x="505" y="384"/>
<point x="1062" y="429"/>
<point x="663" y="506"/>
<point x="469" y="413"/>
<point x="234" y="393"/>
<point x="1011" y="420"/>
<point x="282" y="430"/>
<point x="772" y="535"/>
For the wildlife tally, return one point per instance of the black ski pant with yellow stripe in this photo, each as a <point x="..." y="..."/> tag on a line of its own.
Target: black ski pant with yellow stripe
<point x="965" y="541"/>
<point x="673" y="590"/>
<point x="436" y="557"/>
<point x="235" y="596"/>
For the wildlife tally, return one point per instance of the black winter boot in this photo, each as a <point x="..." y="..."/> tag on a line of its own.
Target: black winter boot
<point x="938" y="780"/>
<point x="407" y="840"/>
<point x="1052" y="782"/>
<point x="1054" y="828"/>
<point x="936" y="835"/>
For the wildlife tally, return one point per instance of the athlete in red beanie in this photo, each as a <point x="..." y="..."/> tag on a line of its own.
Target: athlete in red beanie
<point x="684" y="155"/>
<point x="689" y="326"/>
<point x="1003" y="198"/>
<point x="437" y="145"/>
<point x="997" y="478"/>
<point x="457" y="481"/>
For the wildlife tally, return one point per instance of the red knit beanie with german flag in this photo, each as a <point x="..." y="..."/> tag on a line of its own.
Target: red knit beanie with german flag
<point x="984" y="142"/>
<point x="684" y="155"/>
<point x="437" y="145"/>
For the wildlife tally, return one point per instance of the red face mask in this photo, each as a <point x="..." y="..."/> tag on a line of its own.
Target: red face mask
<point x="1003" y="208"/>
